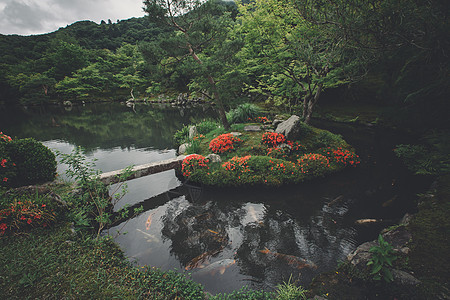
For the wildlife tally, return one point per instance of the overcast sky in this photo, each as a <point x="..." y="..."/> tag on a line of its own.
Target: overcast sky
<point x="26" y="17"/>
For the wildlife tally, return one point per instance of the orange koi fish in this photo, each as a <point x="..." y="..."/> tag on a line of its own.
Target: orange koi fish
<point x="292" y="260"/>
<point x="199" y="260"/>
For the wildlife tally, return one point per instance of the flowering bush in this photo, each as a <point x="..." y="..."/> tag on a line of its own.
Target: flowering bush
<point x="5" y="138"/>
<point x="342" y="157"/>
<point x="272" y="139"/>
<point x="194" y="163"/>
<point x="314" y="164"/>
<point x="24" y="214"/>
<point x="262" y="120"/>
<point x="7" y="167"/>
<point x="238" y="165"/>
<point x="224" y="143"/>
<point x="279" y="152"/>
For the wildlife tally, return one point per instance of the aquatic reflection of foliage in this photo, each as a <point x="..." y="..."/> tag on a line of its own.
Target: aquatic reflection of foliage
<point x="103" y="125"/>
<point x="268" y="244"/>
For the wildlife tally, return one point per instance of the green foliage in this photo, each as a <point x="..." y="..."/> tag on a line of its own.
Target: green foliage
<point x="206" y="126"/>
<point x="325" y="138"/>
<point x="381" y="260"/>
<point x="288" y="291"/>
<point x="243" y="113"/>
<point x="94" y="206"/>
<point x="181" y="136"/>
<point x="20" y="213"/>
<point x="422" y="160"/>
<point x="244" y="294"/>
<point x="34" y="163"/>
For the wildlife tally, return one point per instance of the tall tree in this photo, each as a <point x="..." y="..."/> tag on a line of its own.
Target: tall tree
<point x="197" y="25"/>
<point x="299" y="59"/>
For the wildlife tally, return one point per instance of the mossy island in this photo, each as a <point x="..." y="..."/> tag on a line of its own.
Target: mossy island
<point x="261" y="152"/>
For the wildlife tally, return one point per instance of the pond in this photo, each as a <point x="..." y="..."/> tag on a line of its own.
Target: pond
<point x="229" y="238"/>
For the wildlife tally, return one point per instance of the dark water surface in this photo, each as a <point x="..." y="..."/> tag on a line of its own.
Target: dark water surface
<point x="229" y="238"/>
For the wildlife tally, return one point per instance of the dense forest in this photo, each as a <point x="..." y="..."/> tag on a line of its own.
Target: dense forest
<point x="287" y="53"/>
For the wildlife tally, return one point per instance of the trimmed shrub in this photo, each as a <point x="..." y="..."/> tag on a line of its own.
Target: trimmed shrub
<point x="314" y="165"/>
<point x="272" y="139"/>
<point x="193" y="165"/>
<point x="340" y="156"/>
<point x="224" y="143"/>
<point x="35" y="163"/>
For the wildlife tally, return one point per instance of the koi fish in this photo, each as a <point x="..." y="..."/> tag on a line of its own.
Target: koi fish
<point x="212" y="231"/>
<point x="148" y="223"/>
<point x="367" y="221"/>
<point x="218" y="266"/>
<point x="292" y="260"/>
<point x="198" y="260"/>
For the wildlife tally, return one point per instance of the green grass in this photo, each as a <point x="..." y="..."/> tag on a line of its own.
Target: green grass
<point x="55" y="263"/>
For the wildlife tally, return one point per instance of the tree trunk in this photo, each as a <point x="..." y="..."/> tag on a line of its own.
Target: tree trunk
<point x="308" y="109"/>
<point x="222" y="115"/>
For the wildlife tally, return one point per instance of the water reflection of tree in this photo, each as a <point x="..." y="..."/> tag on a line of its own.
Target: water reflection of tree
<point x="248" y="229"/>
<point x="104" y="125"/>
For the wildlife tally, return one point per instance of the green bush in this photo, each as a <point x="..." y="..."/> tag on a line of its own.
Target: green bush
<point x="314" y="165"/>
<point x="181" y="136"/>
<point x="35" y="163"/>
<point x="243" y="113"/>
<point x="206" y="126"/>
<point x="327" y="139"/>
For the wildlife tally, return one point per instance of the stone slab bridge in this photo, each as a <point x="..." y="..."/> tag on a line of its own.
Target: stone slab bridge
<point x="143" y="170"/>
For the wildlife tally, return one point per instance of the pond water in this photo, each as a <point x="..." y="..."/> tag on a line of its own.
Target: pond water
<point x="229" y="238"/>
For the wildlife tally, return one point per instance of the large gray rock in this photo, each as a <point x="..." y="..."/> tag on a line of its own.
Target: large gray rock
<point x="404" y="278"/>
<point x="361" y="256"/>
<point x="214" y="158"/>
<point x="183" y="148"/>
<point x="252" y="128"/>
<point x="290" y="128"/>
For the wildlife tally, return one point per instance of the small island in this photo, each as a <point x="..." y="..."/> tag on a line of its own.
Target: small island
<point x="261" y="153"/>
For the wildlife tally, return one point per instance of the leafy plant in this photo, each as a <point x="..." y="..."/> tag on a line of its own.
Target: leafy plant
<point x="244" y="294"/>
<point x="182" y="136"/>
<point x="32" y="161"/>
<point x="422" y="160"/>
<point x="382" y="258"/>
<point x="94" y="203"/>
<point x="289" y="290"/>
<point x="243" y="113"/>
<point x="206" y="126"/>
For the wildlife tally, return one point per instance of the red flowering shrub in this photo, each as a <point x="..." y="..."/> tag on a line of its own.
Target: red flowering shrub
<point x="237" y="165"/>
<point x="279" y="152"/>
<point x="262" y="120"/>
<point x="224" y="143"/>
<point x="7" y="167"/>
<point x="314" y="164"/>
<point x="272" y="139"/>
<point x="342" y="157"/>
<point x="24" y="214"/>
<point x="194" y="163"/>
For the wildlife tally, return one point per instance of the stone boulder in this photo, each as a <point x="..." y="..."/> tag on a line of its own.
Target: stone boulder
<point x="252" y="128"/>
<point x="290" y="128"/>
<point x="214" y="158"/>
<point x="183" y="148"/>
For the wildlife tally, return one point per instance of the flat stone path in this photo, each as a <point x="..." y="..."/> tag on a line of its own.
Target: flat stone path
<point x="143" y="170"/>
